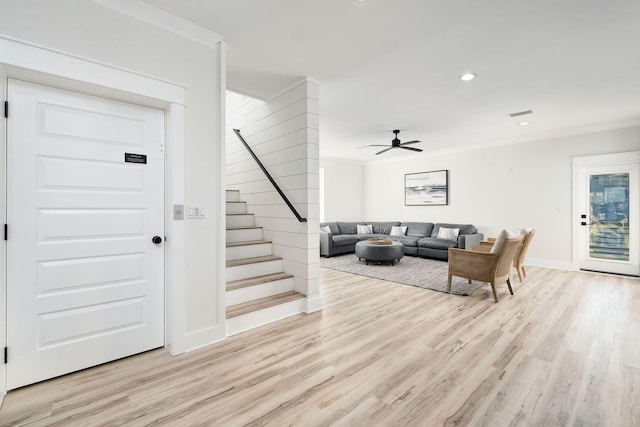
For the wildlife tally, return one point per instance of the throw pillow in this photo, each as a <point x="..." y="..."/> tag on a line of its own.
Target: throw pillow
<point x="397" y="231"/>
<point x="448" y="233"/>
<point x="365" y="229"/>
<point x="325" y="229"/>
<point x="500" y="241"/>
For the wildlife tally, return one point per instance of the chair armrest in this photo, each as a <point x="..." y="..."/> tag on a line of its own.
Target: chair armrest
<point x="487" y="244"/>
<point x="481" y="248"/>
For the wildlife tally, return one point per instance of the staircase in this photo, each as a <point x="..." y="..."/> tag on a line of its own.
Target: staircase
<point x="258" y="291"/>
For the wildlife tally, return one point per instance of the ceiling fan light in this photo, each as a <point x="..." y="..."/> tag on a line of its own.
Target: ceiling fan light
<point x="468" y="76"/>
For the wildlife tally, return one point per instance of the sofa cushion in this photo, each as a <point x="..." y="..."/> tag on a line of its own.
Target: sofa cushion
<point x="406" y="240"/>
<point x="464" y="228"/>
<point x="349" y="227"/>
<point x="344" y="239"/>
<point x="383" y="227"/>
<point x="435" y="243"/>
<point x="418" y="229"/>
<point x="332" y="226"/>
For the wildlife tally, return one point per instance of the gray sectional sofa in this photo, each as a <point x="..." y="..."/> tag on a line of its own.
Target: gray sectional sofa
<point x="420" y="238"/>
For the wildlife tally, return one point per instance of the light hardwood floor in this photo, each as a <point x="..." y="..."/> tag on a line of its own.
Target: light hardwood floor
<point x="565" y="350"/>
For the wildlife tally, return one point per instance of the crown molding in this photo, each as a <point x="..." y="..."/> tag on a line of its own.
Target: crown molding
<point x="152" y="15"/>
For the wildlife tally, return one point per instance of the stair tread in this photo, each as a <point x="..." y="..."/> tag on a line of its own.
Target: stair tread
<point x="240" y="214"/>
<point x="235" y="201"/>
<point x="243" y="227"/>
<point x="262" y="303"/>
<point x="247" y="243"/>
<point x="257" y="280"/>
<point x="255" y="260"/>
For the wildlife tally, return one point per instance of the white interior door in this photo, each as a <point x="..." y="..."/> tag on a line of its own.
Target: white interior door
<point x="85" y="282"/>
<point x="609" y="217"/>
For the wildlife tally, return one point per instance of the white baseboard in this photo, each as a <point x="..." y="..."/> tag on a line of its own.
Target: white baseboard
<point x="314" y="303"/>
<point x="204" y="337"/>
<point x="546" y="263"/>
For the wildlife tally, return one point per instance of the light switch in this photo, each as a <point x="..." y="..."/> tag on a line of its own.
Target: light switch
<point x="196" y="212"/>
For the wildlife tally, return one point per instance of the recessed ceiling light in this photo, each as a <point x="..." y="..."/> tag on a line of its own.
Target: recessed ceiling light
<point x="468" y="76"/>
<point x="523" y="123"/>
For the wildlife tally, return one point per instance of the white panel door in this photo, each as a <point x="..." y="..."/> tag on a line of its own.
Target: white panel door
<point x="85" y="282"/>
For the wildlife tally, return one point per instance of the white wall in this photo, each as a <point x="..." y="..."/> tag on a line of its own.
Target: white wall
<point x="513" y="186"/>
<point x="283" y="133"/>
<point x="343" y="190"/>
<point x="92" y="31"/>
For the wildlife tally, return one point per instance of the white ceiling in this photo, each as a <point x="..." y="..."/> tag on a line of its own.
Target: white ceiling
<point x="395" y="64"/>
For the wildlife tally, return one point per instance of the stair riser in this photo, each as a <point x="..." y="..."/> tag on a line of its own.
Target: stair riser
<point x="245" y="220"/>
<point x="232" y="196"/>
<point x="262" y="317"/>
<point x="246" y="271"/>
<point x="236" y="208"/>
<point x="263" y="290"/>
<point x="245" y="235"/>
<point x="248" y="251"/>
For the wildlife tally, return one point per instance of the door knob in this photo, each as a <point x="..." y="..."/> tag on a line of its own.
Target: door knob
<point x="157" y="240"/>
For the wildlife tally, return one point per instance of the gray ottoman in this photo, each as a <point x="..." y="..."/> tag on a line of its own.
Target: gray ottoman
<point x="372" y="252"/>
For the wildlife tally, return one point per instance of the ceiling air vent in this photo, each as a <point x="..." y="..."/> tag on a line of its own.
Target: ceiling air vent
<point x="521" y="113"/>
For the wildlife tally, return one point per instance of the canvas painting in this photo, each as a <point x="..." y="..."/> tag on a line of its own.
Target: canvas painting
<point x="426" y="188"/>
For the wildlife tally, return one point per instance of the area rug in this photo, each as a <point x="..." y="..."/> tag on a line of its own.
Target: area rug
<point x="414" y="271"/>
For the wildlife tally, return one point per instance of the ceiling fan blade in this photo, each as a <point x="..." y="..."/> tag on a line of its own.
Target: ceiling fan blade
<point x="377" y="145"/>
<point x="380" y="152"/>
<point x="410" y="142"/>
<point x="411" y="148"/>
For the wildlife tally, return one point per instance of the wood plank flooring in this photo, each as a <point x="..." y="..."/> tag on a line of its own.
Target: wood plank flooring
<point x="564" y="350"/>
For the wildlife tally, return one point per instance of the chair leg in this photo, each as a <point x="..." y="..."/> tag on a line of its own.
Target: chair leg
<point x="521" y="274"/>
<point x="449" y="283"/>
<point x="495" y="293"/>
<point x="469" y="281"/>
<point x="509" y="285"/>
<point x="524" y="273"/>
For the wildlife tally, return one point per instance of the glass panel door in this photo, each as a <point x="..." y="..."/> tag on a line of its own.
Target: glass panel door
<point x="609" y="212"/>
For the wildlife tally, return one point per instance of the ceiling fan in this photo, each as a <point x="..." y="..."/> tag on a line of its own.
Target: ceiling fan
<point x="395" y="143"/>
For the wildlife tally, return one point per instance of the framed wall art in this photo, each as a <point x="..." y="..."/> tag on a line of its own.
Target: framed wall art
<point x="426" y="188"/>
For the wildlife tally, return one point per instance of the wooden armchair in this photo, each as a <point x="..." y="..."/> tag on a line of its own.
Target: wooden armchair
<point x="484" y="266"/>
<point x="518" y="260"/>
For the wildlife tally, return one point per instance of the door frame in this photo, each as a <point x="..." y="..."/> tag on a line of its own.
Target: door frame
<point x="24" y="61"/>
<point x="577" y="164"/>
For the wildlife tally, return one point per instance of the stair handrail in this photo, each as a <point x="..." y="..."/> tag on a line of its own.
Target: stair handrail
<point x="275" y="185"/>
